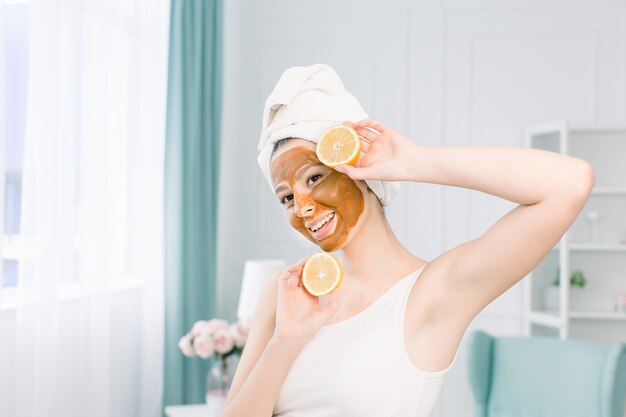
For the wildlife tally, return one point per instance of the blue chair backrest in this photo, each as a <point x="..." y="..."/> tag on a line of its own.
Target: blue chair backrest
<point x="545" y="377"/>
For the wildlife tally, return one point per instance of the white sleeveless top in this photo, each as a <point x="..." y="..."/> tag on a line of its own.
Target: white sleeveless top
<point x="359" y="367"/>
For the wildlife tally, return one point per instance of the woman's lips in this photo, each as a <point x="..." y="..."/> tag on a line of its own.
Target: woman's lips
<point x="326" y="230"/>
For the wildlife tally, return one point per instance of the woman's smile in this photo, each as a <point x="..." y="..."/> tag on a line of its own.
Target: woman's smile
<point x="325" y="227"/>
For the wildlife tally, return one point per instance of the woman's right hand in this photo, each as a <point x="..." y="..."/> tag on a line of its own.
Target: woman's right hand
<point x="388" y="155"/>
<point x="298" y="313"/>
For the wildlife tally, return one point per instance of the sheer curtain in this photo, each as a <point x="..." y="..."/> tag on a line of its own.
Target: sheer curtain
<point x="88" y="334"/>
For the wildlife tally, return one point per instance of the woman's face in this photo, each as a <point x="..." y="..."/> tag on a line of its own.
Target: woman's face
<point x="310" y="192"/>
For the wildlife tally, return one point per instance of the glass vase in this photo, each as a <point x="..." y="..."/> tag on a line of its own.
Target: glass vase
<point x="219" y="380"/>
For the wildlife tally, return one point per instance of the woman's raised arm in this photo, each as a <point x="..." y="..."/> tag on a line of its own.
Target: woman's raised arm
<point x="549" y="187"/>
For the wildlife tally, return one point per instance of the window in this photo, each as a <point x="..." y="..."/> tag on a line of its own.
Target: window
<point x="113" y="31"/>
<point x="15" y="49"/>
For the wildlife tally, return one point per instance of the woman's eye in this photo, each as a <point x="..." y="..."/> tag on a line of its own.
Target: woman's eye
<point x="284" y="200"/>
<point x="315" y="177"/>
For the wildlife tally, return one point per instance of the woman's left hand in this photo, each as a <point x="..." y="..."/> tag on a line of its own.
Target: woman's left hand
<point x="387" y="153"/>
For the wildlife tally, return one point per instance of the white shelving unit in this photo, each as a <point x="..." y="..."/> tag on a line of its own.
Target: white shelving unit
<point x="584" y="313"/>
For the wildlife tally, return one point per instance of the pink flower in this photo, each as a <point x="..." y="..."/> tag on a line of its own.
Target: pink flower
<point x="203" y="345"/>
<point x="185" y="345"/>
<point x="216" y="324"/>
<point x="239" y="332"/>
<point x="199" y="328"/>
<point x="204" y="327"/>
<point x="223" y="341"/>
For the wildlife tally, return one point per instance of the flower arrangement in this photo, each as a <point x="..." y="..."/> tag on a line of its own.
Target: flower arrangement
<point x="215" y="336"/>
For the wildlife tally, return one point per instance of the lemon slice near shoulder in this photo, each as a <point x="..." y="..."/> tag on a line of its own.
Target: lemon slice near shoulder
<point x="321" y="274"/>
<point x="339" y="145"/>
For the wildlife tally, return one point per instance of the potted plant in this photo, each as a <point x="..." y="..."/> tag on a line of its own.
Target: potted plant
<point x="551" y="294"/>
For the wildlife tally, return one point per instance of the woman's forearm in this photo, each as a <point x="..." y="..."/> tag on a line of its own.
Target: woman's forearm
<point x="522" y="175"/>
<point x="259" y="393"/>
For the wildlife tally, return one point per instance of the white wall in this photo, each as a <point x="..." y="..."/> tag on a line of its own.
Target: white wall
<point x="444" y="73"/>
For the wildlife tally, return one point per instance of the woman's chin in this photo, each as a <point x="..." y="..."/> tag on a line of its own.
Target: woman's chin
<point x="329" y="248"/>
<point x="328" y="244"/>
<point x="331" y="243"/>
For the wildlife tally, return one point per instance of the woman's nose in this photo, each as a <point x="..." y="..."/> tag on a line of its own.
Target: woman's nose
<point x="304" y="206"/>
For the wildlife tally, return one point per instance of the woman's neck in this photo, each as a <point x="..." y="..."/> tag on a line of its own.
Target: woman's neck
<point x="375" y="254"/>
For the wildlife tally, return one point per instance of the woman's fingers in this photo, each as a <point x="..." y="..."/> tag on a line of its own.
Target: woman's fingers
<point x="375" y="124"/>
<point x="294" y="271"/>
<point x="364" y="128"/>
<point x="356" y="173"/>
<point x="365" y="143"/>
<point x="367" y="134"/>
<point x="379" y="127"/>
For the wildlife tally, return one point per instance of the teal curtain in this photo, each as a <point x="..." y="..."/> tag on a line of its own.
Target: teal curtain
<point x="191" y="187"/>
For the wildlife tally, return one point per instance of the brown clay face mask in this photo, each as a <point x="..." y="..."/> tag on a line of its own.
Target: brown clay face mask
<point x="323" y="189"/>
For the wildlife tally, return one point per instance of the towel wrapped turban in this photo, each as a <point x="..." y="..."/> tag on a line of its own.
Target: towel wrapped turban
<point x="304" y="103"/>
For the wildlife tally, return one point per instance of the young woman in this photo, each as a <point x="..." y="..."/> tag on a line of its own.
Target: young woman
<point x="383" y="342"/>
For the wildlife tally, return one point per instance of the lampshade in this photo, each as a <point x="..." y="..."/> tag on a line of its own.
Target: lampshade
<point x="255" y="275"/>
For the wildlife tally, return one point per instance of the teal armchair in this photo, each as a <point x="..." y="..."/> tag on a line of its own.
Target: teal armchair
<point x="545" y="377"/>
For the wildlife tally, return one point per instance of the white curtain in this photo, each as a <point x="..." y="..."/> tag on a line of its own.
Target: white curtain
<point x="88" y="322"/>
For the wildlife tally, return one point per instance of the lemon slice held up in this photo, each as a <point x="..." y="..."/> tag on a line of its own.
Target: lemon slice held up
<point x="339" y="145"/>
<point x="321" y="274"/>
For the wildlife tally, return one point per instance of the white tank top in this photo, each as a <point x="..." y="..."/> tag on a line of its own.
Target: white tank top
<point x="359" y="367"/>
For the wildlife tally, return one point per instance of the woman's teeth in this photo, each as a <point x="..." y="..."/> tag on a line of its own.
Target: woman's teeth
<point x="322" y="222"/>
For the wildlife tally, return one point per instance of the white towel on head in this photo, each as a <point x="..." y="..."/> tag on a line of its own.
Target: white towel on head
<point x="304" y="103"/>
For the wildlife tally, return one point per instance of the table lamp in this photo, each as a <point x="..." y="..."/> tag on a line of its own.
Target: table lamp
<point x="255" y="275"/>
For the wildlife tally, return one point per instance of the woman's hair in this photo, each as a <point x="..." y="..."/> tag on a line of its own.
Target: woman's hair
<point x="281" y="142"/>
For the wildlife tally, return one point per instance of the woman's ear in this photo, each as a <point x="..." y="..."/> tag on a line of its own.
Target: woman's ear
<point x="367" y="190"/>
<point x="367" y="187"/>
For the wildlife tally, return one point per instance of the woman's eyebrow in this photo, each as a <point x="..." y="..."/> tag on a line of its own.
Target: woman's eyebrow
<point x="306" y="168"/>
<point x="299" y="175"/>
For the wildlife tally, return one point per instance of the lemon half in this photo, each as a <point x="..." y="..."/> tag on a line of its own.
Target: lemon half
<point x="321" y="274"/>
<point x="339" y="145"/>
